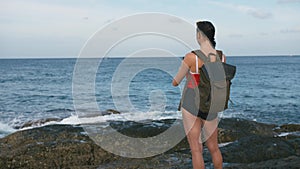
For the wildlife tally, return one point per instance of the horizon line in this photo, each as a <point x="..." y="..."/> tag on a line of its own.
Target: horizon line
<point x="95" y="57"/>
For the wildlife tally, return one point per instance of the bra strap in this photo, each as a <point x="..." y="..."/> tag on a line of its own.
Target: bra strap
<point x="197" y="68"/>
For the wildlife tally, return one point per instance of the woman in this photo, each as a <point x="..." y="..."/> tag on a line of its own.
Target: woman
<point x="194" y="121"/>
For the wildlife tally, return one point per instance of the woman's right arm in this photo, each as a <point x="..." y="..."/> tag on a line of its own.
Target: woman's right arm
<point x="183" y="69"/>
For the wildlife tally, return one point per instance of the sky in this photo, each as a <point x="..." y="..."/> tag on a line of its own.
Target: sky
<point x="60" y="28"/>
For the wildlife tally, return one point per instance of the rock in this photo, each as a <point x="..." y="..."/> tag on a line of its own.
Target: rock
<point x="112" y="111"/>
<point x="91" y="114"/>
<point x="295" y="143"/>
<point x="37" y="122"/>
<point x="291" y="162"/>
<point x="234" y="129"/>
<point x="55" y="146"/>
<point x="288" y="128"/>
<point x="256" y="149"/>
<point x="144" y="129"/>
<point x="254" y="145"/>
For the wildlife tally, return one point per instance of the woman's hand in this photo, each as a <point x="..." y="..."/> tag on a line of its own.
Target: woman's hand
<point x="174" y="83"/>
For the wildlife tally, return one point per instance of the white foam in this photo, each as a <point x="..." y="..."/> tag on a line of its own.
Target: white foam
<point x="130" y="116"/>
<point x="70" y="120"/>
<point x="284" y="134"/>
<point x="140" y="116"/>
<point x="225" y="114"/>
<point x="5" y="129"/>
<point x="224" y="144"/>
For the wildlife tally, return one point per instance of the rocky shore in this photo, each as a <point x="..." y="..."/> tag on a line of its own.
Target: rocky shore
<point x="247" y="144"/>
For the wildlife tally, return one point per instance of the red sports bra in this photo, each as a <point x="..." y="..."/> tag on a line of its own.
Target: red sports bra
<point x="193" y="78"/>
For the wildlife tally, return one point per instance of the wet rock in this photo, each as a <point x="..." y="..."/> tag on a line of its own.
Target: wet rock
<point x="55" y="146"/>
<point x="291" y="162"/>
<point x="295" y="143"/>
<point x="37" y="122"/>
<point x="256" y="149"/>
<point x="145" y="129"/>
<point x="254" y="145"/>
<point x="288" y="128"/>
<point x="112" y="111"/>
<point x="90" y="114"/>
<point x="234" y="129"/>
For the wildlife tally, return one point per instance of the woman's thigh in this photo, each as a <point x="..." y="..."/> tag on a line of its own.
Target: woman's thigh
<point x="192" y="126"/>
<point x="211" y="133"/>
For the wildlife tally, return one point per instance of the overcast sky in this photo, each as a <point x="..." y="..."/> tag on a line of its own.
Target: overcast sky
<point x="60" y="28"/>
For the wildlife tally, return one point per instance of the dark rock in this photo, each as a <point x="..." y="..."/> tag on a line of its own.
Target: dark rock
<point x="257" y="148"/>
<point x="55" y="146"/>
<point x="295" y="143"/>
<point x="144" y="129"/>
<point x="234" y="129"/>
<point x="90" y="114"/>
<point x="291" y="162"/>
<point x="288" y="128"/>
<point x="37" y="122"/>
<point x="108" y="112"/>
<point x="65" y="146"/>
<point x="112" y="111"/>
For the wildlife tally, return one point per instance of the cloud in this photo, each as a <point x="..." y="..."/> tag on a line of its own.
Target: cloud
<point x="288" y="1"/>
<point x="38" y="10"/>
<point x="264" y="34"/>
<point x="49" y="28"/>
<point x="252" y="11"/>
<point x="257" y="13"/>
<point x="236" y="35"/>
<point x="292" y="30"/>
<point x="295" y="29"/>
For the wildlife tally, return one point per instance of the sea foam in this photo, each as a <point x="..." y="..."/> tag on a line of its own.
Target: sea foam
<point x="5" y="129"/>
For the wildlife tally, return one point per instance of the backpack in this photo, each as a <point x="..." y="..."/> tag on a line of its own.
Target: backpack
<point x="215" y="83"/>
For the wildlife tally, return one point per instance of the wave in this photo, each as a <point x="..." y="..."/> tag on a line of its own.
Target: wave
<point x="100" y="118"/>
<point x="128" y="116"/>
<point x="97" y="118"/>
<point x="5" y="129"/>
<point x="285" y="134"/>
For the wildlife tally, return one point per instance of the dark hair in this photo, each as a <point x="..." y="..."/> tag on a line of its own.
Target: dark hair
<point x="208" y="29"/>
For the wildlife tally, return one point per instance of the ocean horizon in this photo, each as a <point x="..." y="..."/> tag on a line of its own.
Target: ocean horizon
<point x="38" y="91"/>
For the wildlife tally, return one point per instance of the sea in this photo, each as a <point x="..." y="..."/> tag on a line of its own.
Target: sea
<point x="38" y="92"/>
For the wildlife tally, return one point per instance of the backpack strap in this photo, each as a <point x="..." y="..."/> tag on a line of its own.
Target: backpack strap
<point x="197" y="68"/>
<point x="201" y="55"/>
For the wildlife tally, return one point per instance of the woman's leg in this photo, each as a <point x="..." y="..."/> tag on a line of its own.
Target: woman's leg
<point x="211" y="131"/>
<point x="192" y="126"/>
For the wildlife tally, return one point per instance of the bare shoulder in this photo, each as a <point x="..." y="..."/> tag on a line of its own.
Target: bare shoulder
<point x="189" y="55"/>
<point x="189" y="58"/>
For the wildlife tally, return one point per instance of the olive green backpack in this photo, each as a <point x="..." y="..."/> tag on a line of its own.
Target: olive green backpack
<point x="215" y="83"/>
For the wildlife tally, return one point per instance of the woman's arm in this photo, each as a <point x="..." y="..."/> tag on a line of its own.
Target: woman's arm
<point x="183" y="69"/>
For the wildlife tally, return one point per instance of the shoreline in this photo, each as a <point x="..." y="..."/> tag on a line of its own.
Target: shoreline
<point x="251" y="145"/>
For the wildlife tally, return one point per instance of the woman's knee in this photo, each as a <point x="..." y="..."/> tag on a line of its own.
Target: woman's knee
<point x="212" y="147"/>
<point x="195" y="144"/>
<point x="196" y="148"/>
